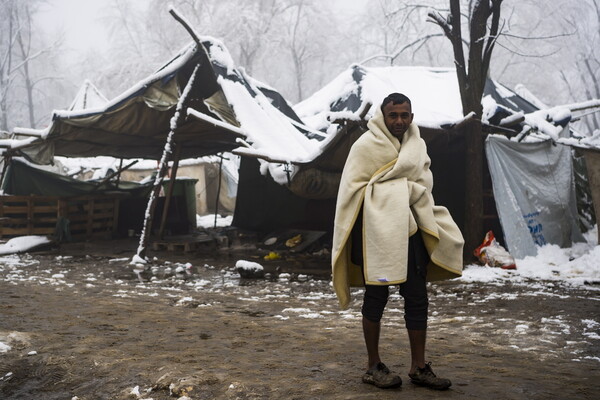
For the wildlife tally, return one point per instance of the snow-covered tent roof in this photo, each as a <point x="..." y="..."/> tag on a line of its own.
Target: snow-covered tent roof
<point x="436" y="103"/>
<point x="434" y="94"/>
<point x="224" y="105"/>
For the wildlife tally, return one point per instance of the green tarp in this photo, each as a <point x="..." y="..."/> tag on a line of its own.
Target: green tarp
<point x="23" y="180"/>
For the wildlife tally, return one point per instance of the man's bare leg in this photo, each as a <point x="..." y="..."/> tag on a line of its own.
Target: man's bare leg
<point x="421" y="373"/>
<point x="417" y="340"/>
<point x="371" y="332"/>
<point x="377" y="374"/>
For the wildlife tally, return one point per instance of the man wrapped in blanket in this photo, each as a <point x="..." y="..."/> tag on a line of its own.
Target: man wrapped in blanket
<point x="389" y="232"/>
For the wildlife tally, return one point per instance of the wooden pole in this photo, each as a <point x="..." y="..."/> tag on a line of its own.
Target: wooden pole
<point x="109" y="177"/>
<point x="218" y="188"/>
<point x="7" y="160"/>
<point x="176" y="120"/>
<point x="173" y="177"/>
<point x="119" y="172"/>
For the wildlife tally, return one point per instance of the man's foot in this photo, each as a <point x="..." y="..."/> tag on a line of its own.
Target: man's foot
<point x="382" y="377"/>
<point x="426" y="377"/>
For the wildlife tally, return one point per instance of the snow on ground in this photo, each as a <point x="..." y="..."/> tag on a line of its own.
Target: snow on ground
<point x="22" y="244"/>
<point x="578" y="265"/>
<point x="300" y="297"/>
<point x="208" y="221"/>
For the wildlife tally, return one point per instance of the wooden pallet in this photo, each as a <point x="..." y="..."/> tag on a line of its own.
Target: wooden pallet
<point x="185" y="244"/>
<point x="88" y="216"/>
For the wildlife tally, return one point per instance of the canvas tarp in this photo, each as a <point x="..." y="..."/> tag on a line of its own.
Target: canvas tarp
<point x="534" y="192"/>
<point x="24" y="180"/>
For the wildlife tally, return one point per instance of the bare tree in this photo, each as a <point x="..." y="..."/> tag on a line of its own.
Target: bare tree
<point x="20" y="56"/>
<point x="584" y="74"/>
<point x="483" y="25"/>
<point x="397" y="35"/>
<point x="24" y="47"/>
<point x="7" y="43"/>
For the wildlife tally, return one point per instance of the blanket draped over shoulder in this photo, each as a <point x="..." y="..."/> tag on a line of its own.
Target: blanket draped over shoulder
<point x="393" y="183"/>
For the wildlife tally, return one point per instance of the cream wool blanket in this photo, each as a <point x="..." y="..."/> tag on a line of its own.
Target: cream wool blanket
<point x="394" y="183"/>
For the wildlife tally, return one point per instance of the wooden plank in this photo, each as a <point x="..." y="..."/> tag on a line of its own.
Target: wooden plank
<point x="43" y="231"/>
<point x="45" y="220"/>
<point x="90" y="217"/>
<point x="20" y="209"/>
<point x="15" y="231"/>
<point x="115" y="216"/>
<point x="38" y="209"/>
<point x="77" y="218"/>
<point x="101" y="226"/>
<point x="11" y="199"/>
<point x="105" y="214"/>
<point x="15" y="220"/>
<point x="30" y="216"/>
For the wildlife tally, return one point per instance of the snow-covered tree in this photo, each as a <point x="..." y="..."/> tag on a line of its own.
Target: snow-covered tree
<point x="28" y="71"/>
<point x="479" y="40"/>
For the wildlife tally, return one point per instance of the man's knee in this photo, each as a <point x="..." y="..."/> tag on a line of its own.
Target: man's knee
<point x="415" y="312"/>
<point x="374" y="302"/>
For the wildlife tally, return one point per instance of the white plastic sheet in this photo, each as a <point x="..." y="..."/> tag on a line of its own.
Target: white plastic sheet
<point x="534" y="192"/>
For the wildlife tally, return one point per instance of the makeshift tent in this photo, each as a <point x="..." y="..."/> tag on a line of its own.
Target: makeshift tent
<point x="25" y="180"/>
<point x="289" y="171"/>
<point x="225" y="105"/>
<point x="434" y="93"/>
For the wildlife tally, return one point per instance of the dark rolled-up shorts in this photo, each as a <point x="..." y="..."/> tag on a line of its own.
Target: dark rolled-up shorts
<point x="414" y="290"/>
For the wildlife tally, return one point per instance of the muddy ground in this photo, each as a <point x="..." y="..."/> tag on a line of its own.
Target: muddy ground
<point x="82" y="325"/>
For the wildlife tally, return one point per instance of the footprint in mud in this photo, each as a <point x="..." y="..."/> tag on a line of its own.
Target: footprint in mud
<point x="29" y="375"/>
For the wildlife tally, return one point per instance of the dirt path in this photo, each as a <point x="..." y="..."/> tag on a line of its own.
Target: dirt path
<point x="99" y="333"/>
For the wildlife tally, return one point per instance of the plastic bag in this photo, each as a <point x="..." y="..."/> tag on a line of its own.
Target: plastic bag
<point x="492" y="254"/>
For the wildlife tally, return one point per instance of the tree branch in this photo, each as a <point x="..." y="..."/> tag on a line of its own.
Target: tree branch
<point x="492" y="37"/>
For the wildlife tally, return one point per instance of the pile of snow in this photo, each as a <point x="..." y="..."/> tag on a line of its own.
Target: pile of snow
<point x="208" y="221"/>
<point x="4" y="348"/>
<point x="578" y="265"/>
<point x="22" y="244"/>
<point x="249" y="269"/>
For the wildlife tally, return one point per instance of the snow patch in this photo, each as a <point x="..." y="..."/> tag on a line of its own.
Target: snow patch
<point x="22" y="244"/>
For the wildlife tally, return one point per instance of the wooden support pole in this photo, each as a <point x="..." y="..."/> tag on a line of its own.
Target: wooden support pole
<point x="7" y="160"/>
<point x="176" y="120"/>
<point x="119" y="172"/>
<point x="165" y="213"/>
<point x="218" y="188"/>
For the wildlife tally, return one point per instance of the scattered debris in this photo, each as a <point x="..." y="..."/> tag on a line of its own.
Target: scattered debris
<point x="491" y="253"/>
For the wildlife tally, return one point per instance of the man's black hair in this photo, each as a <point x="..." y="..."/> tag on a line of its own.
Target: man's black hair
<point x="396" y="98"/>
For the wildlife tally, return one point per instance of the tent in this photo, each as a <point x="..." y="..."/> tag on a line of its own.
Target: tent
<point x="341" y="107"/>
<point x="291" y="157"/>
<point x="227" y="110"/>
